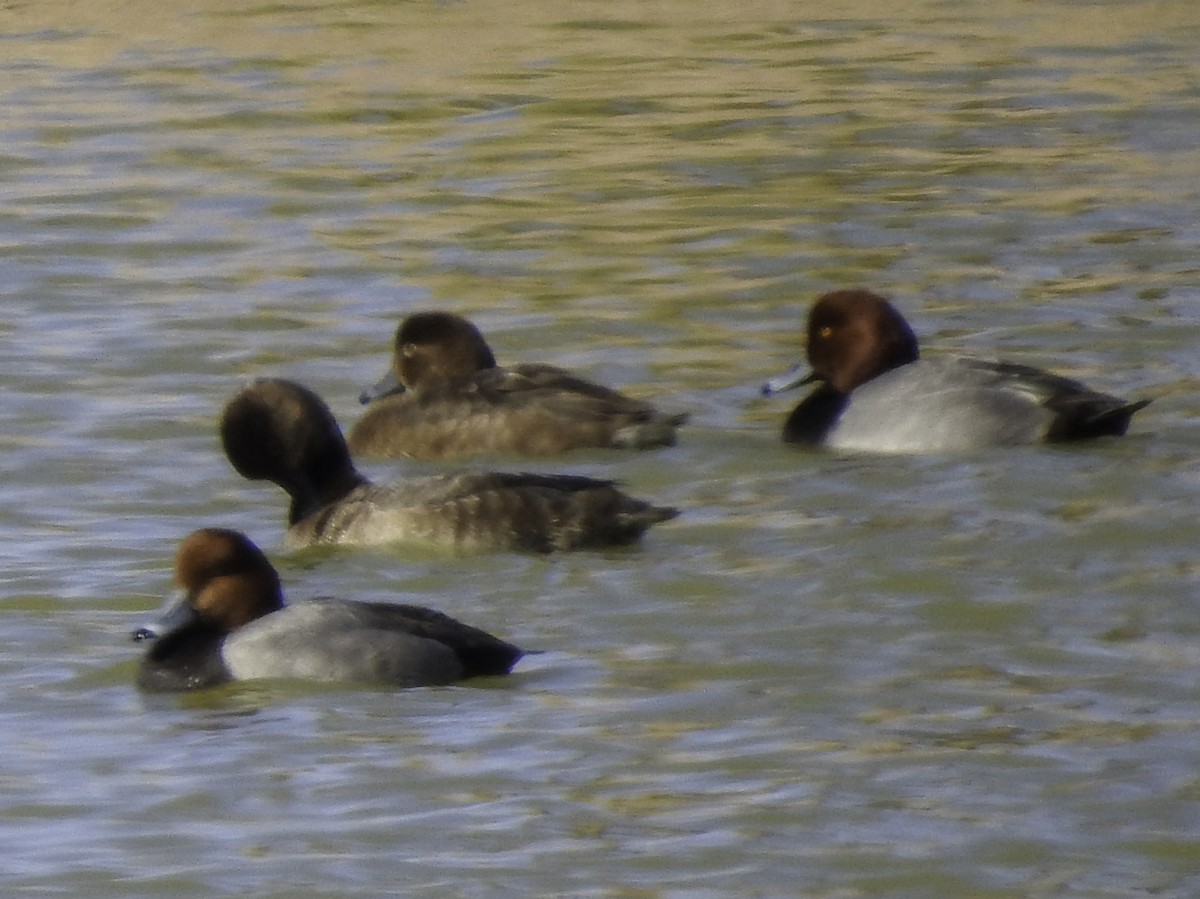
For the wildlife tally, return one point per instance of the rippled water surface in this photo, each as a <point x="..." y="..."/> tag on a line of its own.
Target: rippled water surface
<point x="833" y="676"/>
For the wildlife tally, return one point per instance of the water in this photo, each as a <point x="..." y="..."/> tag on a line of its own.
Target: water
<point x="832" y="676"/>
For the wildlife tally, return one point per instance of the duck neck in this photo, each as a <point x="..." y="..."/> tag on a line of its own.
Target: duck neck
<point x="815" y="416"/>
<point x="309" y="497"/>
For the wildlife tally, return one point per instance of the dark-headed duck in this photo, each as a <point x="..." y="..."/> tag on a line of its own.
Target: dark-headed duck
<point x="279" y="431"/>
<point x="227" y="621"/>
<point x="875" y="393"/>
<point x="446" y="397"/>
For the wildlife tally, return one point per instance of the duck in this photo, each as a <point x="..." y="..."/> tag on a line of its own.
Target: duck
<point x="445" y="397"/>
<point x="278" y="430"/>
<point x="876" y="394"/>
<point x="227" y="621"/>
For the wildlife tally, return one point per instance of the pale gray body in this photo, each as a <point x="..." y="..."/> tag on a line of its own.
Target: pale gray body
<point x="332" y="640"/>
<point x="942" y="405"/>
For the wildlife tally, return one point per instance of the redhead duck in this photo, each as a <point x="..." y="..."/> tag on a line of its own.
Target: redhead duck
<point x="445" y="397"/>
<point x="279" y="431"/>
<point x="227" y="621"/>
<point x="876" y="395"/>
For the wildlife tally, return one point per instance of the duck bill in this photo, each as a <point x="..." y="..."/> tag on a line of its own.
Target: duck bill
<point x="796" y="376"/>
<point x="385" y="386"/>
<point x="176" y="614"/>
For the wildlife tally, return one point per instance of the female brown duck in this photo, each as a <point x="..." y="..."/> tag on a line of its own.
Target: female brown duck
<point x="279" y="431"/>
<point x="446" y="397"/>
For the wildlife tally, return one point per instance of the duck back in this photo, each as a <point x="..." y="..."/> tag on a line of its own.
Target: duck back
<point x="486" y="511"/>
<point x="955" y="404"/>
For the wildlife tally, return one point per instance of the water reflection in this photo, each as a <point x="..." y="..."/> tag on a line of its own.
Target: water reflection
<point x="931" y="676"/>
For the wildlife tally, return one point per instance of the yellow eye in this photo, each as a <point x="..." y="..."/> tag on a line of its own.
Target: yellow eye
<point x="825" y="332"/>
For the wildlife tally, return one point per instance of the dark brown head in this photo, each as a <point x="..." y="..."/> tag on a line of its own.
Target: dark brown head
<point x="854" y="336"/>
<point x="435" y="347"/>
<point x="279" y="431"/>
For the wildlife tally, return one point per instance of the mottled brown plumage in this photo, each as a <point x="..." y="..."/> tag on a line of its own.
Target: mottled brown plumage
<point x="445" y="397"/>
<point x="282" y="432"/>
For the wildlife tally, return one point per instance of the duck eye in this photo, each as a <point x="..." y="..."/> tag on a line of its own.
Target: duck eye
<point x="408" y="350"/>
<point x="825" y="332"/>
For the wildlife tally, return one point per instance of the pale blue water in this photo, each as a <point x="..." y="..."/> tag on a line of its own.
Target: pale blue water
<point x="832" y="676"/>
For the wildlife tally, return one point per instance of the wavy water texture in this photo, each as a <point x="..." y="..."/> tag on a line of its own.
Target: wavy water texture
<point x="831" y="676"/>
